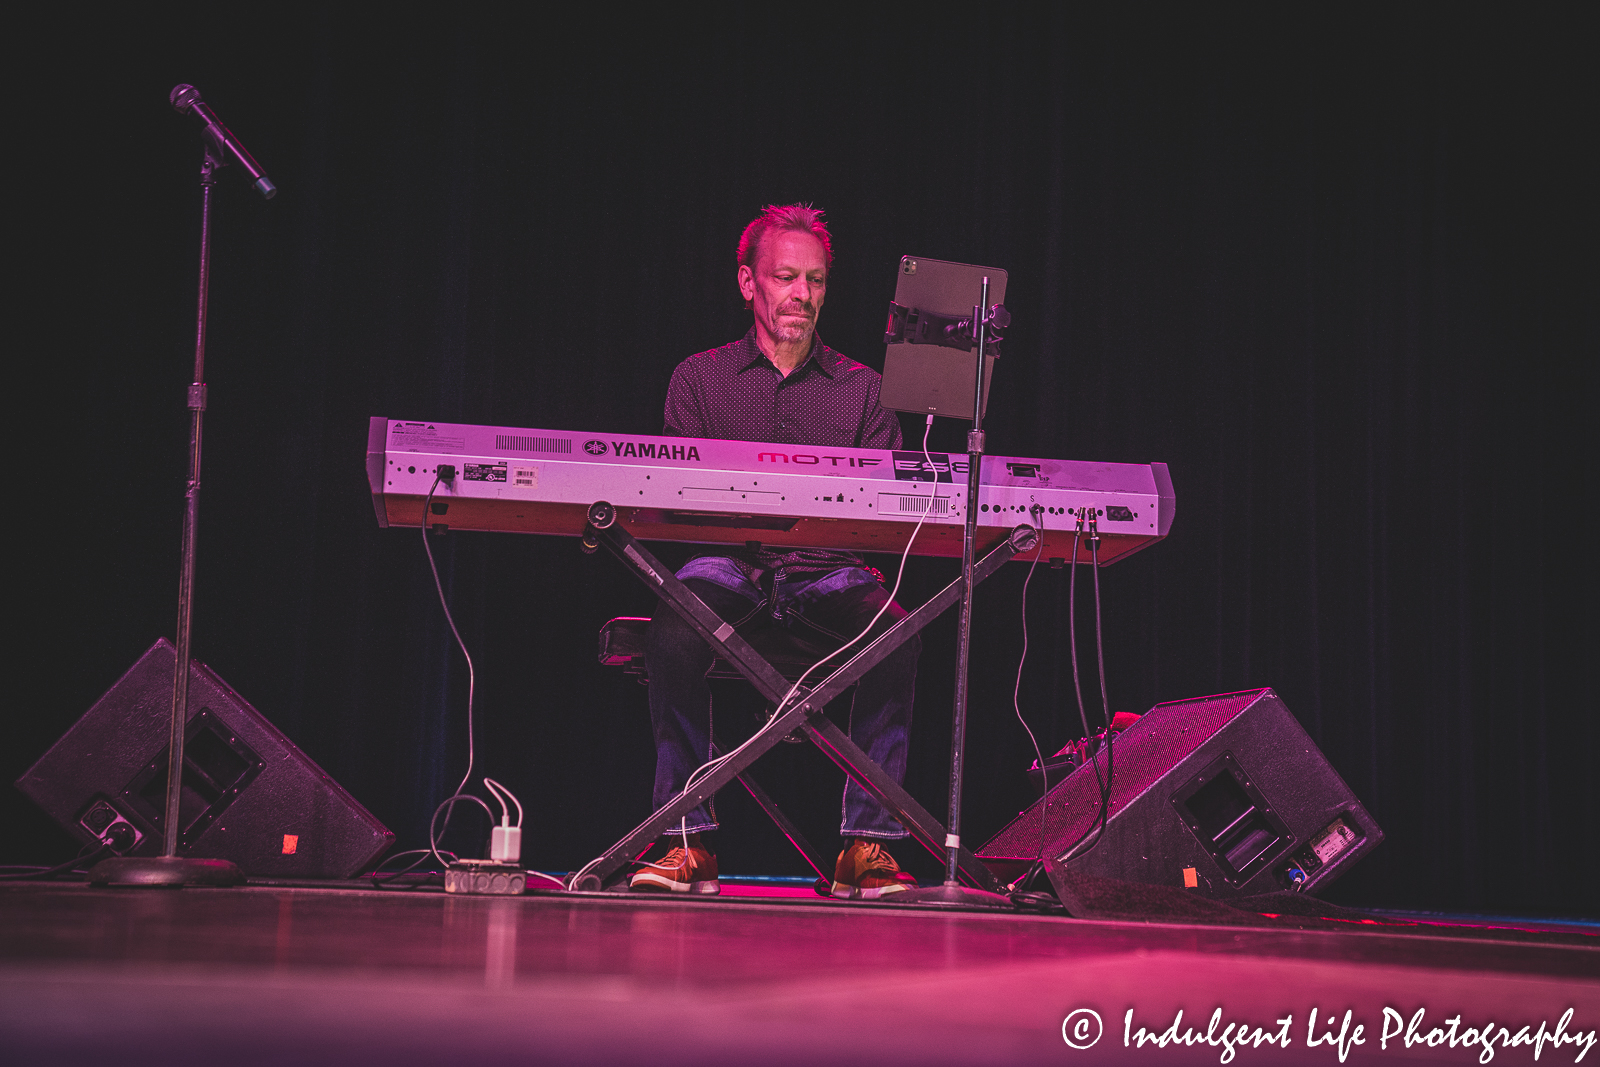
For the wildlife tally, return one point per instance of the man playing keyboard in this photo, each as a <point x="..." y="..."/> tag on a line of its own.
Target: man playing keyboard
<point x="780" y="383"/>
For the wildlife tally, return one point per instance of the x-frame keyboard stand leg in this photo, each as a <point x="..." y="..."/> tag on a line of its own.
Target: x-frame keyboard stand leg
<point x="804" y="712"/>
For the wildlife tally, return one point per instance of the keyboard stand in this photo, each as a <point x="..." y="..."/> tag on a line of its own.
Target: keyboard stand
<point x="804" y="713"/>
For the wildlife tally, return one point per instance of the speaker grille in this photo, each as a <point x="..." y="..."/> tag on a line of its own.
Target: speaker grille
<point x="1144" y="753"/>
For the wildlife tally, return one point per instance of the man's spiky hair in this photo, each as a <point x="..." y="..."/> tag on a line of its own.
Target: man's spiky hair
<point x="800" y="217"/>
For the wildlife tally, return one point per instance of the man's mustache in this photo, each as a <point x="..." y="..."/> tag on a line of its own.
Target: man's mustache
<point x="808" y="310"/>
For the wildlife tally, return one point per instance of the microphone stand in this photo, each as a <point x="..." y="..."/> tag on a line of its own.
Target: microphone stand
<point x="952" y="892"/>
<point x="169" y="868"/>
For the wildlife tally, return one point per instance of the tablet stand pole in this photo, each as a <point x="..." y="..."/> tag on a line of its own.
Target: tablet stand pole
<point x="952" y="892"/>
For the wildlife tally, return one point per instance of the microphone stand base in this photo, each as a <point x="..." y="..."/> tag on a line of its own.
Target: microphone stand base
<point x="954" y="896"/>
<point x="172" y="872"/>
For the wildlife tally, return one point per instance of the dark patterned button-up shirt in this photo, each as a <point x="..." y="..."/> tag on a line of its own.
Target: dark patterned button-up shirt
<point x="735" y="393"/>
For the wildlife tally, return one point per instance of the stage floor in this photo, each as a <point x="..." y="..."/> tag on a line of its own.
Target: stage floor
<point x="350" y="976"/>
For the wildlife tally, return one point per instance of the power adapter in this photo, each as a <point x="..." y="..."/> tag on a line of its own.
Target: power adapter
<point x="505" y="844"/>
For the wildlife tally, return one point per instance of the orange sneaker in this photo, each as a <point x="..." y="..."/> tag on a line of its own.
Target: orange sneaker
<point x="679" y="872"/>
<point x="866" y="871"/>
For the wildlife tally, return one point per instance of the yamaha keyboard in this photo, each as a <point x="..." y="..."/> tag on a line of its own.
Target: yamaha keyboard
<point x="733" y="492"/>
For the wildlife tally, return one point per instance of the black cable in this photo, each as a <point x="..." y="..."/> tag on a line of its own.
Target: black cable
<point x="1083" y="715"/>
<point x="1045" y="903"/>
<point x="1072" y="639"/>
<point x="1072" y="624"/>
<point x="448" y="806"/>
<point x="1099" y="635"/>
<point x="85" y="855"/>
<point x="380" y="879"/>
<point x="1105" y="702"/>
<point x="1104" y="784"/>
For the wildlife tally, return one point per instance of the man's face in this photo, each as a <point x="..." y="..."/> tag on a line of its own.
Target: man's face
<point x="786" y="287"/>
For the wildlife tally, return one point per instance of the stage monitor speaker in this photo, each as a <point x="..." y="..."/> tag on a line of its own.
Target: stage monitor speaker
<point x="1226" y="795"/>
<point x="249" y="795"/>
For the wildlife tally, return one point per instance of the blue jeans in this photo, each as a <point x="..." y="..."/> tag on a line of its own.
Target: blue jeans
<point x="821" y="609"/>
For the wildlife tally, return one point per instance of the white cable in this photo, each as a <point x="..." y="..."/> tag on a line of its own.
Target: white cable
<point x="505" y="812"/>
<point x="1016" y="690"/>
<point x="706" y="768"/>
<point x="496" y="788"/>
<point x="493" y="786"/>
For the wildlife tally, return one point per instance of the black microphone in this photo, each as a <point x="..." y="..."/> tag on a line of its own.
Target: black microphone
<point x="186" y="101"/>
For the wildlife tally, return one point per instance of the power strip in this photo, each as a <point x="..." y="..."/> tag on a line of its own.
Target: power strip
<point x="485" y="877"/>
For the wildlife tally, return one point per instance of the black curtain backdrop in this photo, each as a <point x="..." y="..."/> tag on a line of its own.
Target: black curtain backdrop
<point x="1335" y="269"/>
